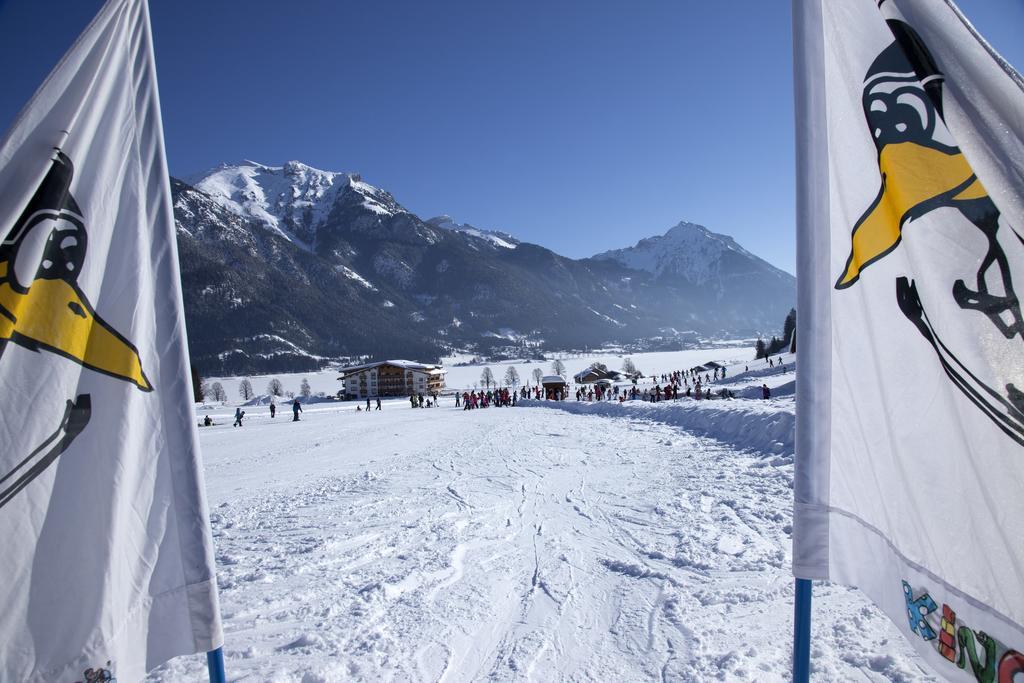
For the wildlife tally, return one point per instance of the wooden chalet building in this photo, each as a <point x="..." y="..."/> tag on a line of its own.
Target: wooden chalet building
<point x="594" y="374"/>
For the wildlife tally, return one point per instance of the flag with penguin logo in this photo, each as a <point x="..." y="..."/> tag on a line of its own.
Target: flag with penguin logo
<point x="910" y="410"/>
<point x="107" y="562"/>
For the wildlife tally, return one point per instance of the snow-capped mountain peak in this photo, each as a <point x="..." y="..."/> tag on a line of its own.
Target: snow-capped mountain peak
<point x="293" y="200"/>
<point x="496" y="237"/>
<point x="687" y="250"/>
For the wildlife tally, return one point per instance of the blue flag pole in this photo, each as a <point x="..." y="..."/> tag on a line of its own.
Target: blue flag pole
<point x="801" y="632"/>
<point x="215" y="663"/>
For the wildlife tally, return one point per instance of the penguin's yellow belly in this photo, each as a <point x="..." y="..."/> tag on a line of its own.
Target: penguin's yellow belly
<point x="913" y="174"/>
<point x="53" y="315"/>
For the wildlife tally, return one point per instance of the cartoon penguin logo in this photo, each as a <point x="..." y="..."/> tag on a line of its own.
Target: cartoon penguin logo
<point x="41" y="306"/>
<point x="922" y="171"/>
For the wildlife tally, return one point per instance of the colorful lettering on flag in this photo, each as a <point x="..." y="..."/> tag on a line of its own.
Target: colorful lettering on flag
<point x="910" y="415"/>
<point x="107" y="562"/>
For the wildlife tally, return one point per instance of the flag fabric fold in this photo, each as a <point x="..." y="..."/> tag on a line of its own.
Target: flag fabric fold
<point x="909" y="481"/>
<point x="108" y="560"/>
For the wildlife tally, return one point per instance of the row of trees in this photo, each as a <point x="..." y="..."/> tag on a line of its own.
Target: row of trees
<point x="512" y="379"/>
<point x="763" y="350"/>
<point x="487" y="378"/>
<point x="201" y="390"/>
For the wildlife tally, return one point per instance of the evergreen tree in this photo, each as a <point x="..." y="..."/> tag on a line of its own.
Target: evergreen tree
<point x="789" y="327"/>
<point x="197" y="385"/>
<point x="760" y="350"/>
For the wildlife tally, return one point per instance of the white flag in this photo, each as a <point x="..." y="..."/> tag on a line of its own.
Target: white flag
<point x="107" y="563"/>
<point x="910" y="416"/>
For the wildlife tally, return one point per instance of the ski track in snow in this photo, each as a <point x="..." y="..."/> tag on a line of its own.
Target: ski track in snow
<point x="508" y="545"/>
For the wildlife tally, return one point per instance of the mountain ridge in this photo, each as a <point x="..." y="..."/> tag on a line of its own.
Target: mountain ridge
<point x="288" y="267"/>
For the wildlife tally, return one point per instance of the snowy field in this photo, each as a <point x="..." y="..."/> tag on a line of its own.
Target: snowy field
<point x="547" y="542"/>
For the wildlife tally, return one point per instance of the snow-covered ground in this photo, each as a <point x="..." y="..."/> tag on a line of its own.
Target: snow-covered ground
<point x="547" y="542"/>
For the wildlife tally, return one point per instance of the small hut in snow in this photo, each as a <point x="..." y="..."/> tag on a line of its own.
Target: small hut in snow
<point x="554" y="386"/>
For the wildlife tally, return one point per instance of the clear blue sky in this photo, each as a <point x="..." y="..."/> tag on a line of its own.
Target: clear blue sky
<point x="579" y="125"/>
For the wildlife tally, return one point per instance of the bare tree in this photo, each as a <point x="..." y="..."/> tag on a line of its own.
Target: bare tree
<point x="628" y="366"/>
<point x="512" y="376"/>
<point x="487" y="378"/>
<point x="275" y="388"/>
<point x="304" y="390"/>
<point x="218" y="392"/>
<point x="558" y="367"/>
<point x="538" y="375"/>
<point x="245" y="389"/>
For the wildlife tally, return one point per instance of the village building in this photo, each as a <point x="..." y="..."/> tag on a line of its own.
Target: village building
<point x="708" y="368"/>
<point x="596" y="372"/>
<point x="554" y="386"/>
<point x="391" y="378"/>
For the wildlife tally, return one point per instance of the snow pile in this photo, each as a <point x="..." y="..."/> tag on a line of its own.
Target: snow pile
<point x="763" y="426"/>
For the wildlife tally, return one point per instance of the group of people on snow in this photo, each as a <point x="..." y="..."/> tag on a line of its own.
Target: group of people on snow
<point x="359" y="409"/>
<point x="470" y="400"/>
<point x="420" y="401"/>
<point x="240" y="414"/>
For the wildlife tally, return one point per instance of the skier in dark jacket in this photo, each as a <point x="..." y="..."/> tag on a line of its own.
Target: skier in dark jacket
<point x="239" y="414"/>
<point x="296" y="409"/>
<point x="766" y="393"/>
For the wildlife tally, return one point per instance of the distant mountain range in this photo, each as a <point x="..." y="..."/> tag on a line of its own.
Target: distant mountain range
<point x="287" y="268"/>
